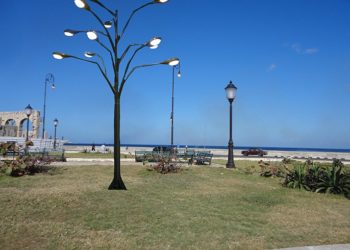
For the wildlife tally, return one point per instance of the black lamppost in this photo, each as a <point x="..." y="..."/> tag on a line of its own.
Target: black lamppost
<point x="55" y="123"/>
<point x="121" y="71"/>
<point x="28" y="110"/>
<point x="230" y="94"/>
<point x="172" y="103"/>
<point x="49" y="79"/>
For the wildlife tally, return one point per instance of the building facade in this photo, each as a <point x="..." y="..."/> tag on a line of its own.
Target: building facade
<point x="13" y="124"/>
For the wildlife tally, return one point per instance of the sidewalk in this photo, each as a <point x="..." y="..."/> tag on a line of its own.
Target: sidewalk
<point x="324" y="247"/>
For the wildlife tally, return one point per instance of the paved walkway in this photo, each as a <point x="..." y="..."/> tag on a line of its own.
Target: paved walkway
<point x="325" y="247"/>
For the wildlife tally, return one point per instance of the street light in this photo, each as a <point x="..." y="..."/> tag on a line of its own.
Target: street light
<point x="28" y="111"/>
<point x="49" y="79"/>
<point x="230" y="95"/>
<point x="55" y="123"/>
<point x="175" y="64"/>
<point x="110" y="41"/>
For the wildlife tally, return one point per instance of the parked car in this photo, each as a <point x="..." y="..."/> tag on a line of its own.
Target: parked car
<point x="254" y="151"/>
<point x="162" y="149"/>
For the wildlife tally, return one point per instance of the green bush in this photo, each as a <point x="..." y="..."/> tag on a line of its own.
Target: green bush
<point x="320" y="179"/>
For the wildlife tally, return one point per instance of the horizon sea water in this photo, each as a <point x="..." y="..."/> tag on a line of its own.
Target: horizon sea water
<point x="298" y="149"/>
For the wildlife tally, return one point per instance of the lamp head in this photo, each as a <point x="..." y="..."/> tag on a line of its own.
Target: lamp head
<point x="155" y="41"/>
<point x="55" y="122"/>
<point x="28" y="110"/>
<point x="60" y="56"/>
<point x="82" y="4"/>
<point x="53" y="86"/>
<point x="160" y="1"/>
<point x="89" y="54"/>
<point x="231" y="90"/>
<point x="92" y="35"/>
<point x="108" y="24"/>
<point x="69" y="32"/>
<point x="172" y="61"/>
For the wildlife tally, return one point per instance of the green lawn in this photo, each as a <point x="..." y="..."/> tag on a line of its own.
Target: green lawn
<point x="199" y="208"/>
<point x="96" y="155"/>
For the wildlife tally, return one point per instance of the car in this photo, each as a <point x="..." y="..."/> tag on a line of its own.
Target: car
<point x="162" y="149"/>
<point x="254" y="151"/>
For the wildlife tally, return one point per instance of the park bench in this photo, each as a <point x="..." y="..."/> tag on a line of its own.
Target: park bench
<point x="202" y="157"/>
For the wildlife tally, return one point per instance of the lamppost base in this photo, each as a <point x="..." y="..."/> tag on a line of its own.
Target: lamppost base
<point x="230" y="165"/>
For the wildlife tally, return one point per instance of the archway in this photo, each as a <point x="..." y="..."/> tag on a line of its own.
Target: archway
<point x="23" y="128"/>
<point x="10" y="122"/>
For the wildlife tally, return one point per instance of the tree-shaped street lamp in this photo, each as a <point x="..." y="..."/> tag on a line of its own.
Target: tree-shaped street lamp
<point x="120" y="76"/>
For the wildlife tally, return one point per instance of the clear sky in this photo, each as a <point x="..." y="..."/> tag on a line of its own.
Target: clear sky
<point x="289" y="59"/>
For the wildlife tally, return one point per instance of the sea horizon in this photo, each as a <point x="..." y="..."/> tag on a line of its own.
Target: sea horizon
<point x="298" y="149"/>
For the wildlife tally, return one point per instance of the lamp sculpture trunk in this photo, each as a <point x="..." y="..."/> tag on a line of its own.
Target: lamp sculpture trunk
<point x="230" y="94"/>
<point x="119" y="76"/>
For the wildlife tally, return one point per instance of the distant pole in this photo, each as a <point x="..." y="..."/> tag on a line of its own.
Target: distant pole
<point x="55" y="123"/>
<point x="49" y="79"/>
<point x="230" y="94"/>
<point x="28" y="111"/>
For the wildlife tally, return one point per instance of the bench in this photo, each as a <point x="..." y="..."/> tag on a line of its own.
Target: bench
<point x="203" y="157"/>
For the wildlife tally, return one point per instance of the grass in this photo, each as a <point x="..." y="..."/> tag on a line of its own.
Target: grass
<point x="96" y="155"/>
<point x="199" y="208"/>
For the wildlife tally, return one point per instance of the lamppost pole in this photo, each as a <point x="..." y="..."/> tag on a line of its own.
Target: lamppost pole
<point x="172" y="103"/>
<point x="230" y="94"/>
<point x="28" y="111"/>
<point x="172" y="110"/>
<point x="55" y="123"/>
<point x="49" y="79"/>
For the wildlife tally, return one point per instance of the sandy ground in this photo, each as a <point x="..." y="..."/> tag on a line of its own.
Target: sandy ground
<point x="220" y="153"/>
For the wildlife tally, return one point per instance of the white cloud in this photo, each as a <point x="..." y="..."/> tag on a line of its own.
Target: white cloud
<point x="300" y="50"/>
<point x="272" y="67"/>
<point x="311" y="51"/>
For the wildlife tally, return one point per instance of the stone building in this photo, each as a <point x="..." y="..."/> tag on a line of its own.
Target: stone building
<point x="13" y="124"/>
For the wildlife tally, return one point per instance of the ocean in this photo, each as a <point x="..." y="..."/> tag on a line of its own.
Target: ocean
<point x="335" y="150"/>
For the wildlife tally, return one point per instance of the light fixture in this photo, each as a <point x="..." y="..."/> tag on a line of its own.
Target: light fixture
<point x="28" y="110"/>
<point x="53" y="86"/>
<point x="55" y="122"/>
<point x="82" y="4"/>
<point x="92" y="35"/>
<point x="108" y="24"/>
<point x="59" y="55"/>
<point x="230" y="91"/>
<point x="160" y="1"/>
<point x="154" y="47"/>
<point x="89" y="54"/>
<point x="172" y="61"/>
<point x="70" y="32"/>
<point x="155" y="41"/>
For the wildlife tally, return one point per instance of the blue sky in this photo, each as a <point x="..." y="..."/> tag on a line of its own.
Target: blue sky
<point x="289" y="59"/>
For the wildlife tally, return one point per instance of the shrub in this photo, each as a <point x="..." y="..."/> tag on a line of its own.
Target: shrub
<point x="315" y="178"/>
<point x="166" y="166"/>
<point x="271" y="170"/>
<point x="335" y="180"/>
<point x="25" y="165"/>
